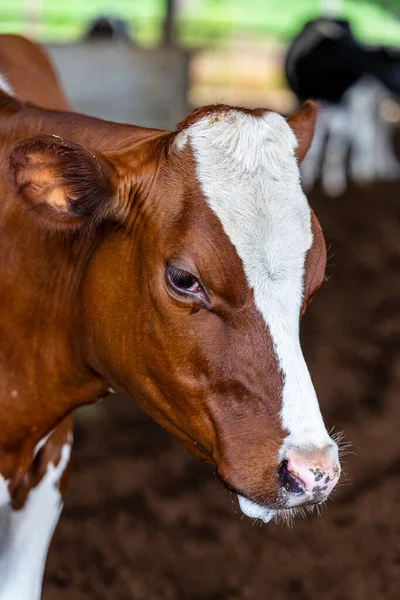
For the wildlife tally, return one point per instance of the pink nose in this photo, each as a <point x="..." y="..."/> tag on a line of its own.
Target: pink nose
<point x="309" y="476"/>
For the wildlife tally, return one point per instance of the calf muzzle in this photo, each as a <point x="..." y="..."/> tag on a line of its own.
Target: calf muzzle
<point x="309" y="476"/>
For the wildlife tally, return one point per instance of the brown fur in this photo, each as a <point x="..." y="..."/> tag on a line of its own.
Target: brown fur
<point x="90" y="214"/>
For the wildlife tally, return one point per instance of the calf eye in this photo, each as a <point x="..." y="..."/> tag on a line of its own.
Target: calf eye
<point x="185" y="283"/>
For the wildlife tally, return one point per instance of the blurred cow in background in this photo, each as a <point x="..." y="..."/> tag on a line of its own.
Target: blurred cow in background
<point x="356" y="87"/>
<point x="107" y="27"/>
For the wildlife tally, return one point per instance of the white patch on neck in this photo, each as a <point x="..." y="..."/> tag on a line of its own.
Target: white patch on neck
<point x="5" y="86"/>
<point x="249" y="176"/>
<point x="4" y="493"/>
<point x="25" y="535"/>
<point x="40" y="444"/>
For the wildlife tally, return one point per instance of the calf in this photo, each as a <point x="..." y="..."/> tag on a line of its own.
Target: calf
<point x="173" y="267"/>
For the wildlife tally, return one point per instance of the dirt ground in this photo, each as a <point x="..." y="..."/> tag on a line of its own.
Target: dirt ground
<point x="143" y="520"/>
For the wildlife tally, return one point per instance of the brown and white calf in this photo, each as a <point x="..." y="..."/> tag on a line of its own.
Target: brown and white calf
<point x="173" y="267"/>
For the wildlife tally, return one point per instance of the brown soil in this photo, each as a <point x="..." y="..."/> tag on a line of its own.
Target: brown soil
<point x="144" y="521"/>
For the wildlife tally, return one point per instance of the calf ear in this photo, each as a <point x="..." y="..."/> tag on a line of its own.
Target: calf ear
<point x="64" y="185"/>
<point x="303" y="125"/>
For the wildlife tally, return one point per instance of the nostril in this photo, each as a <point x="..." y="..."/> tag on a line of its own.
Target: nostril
<point x="292" y="483"/>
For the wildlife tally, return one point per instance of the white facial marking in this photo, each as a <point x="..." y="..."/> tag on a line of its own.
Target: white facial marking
<point x="249" y="175"/>
<point x="5" y="86"/>
<point x="25" y="535"/>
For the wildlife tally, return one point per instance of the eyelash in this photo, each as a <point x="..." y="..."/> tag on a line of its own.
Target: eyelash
<point x="182" y="279"/>
<point x="185" y="284"/>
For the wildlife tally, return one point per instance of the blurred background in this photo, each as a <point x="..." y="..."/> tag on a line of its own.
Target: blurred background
<point x="143" y="519"/>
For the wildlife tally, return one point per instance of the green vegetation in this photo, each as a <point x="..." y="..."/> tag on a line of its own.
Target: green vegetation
<point x="201" y="22"/>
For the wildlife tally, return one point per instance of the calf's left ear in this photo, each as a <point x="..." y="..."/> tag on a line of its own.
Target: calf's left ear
<point x="64" y="185"/>
<point x="303" y="125"/>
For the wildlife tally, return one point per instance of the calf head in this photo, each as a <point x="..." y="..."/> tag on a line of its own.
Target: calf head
<point x="193" y="293"/>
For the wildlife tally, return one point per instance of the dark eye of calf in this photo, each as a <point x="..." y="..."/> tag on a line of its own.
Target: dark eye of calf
<point x="185" y="284"/>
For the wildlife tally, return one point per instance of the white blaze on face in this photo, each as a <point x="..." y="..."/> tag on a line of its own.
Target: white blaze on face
<point x="249" y="175"/>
